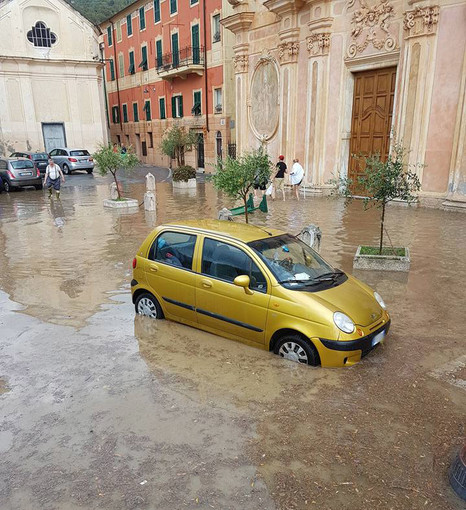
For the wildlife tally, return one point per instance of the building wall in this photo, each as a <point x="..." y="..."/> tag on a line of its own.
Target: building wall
<point x="58" y="84"/>
<point x="315" y="49"/>
<point x="150" y="86"/>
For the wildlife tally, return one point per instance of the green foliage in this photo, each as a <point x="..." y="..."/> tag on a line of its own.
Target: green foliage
<point x="372" y="250"/>
<point x="236" y="177"/>
<point x="176" y="141"/>
<point x="99" y="10"/>
<point x="110" y="161"/>
<point x="382" y="181"/>
<point x="183" y="173"/>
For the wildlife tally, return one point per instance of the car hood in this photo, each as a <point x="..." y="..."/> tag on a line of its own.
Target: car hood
<point x="355" y="299"/>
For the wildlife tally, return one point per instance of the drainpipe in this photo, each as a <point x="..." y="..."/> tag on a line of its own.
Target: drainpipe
<point x="115" y="64"/>
<point x="105" y="87"/>
<point x="205" y="70"/>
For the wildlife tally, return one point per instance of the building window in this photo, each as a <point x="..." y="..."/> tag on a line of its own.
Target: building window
<point x="142" y="19"/>
<point x="193" y="2"/>
<point x="131" y="69"/>
<point x="41" y="36"/>
<point x="177" y="107"/>
<point x="129" y="25"/>
<point x="175" y="50"/>
<point x="156" y="11"/>
<point x="216" y="28"/>
<point x="115" y="114"/>
<point x="173" y="6"/>
<point x="158" y="53"/>
<point x="146" y="108"/>
<point x="109" y="36"/>
<point x="121" y="65"/>
<point x="197" y="108"/>
<point x="163" y="115"/>
<point x="143" y="64"/>
<point x="218" y="101"/>
<point x="218" y="145"/>
<point x="125" y="113"/>
<point x="195" y="44"/>
<point x="118" y="30"/>
<point x="151" y="139"/>
<point x="135" y="112"/>
<point x="112" y="70"/>
<point x="144" y="148"/>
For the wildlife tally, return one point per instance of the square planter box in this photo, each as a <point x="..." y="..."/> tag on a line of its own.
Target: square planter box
<point x="381" y="262"/>
<point x="190" y="183"/>
<point x="121" y="204"/>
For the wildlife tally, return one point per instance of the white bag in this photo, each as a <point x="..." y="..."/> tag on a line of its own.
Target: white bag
<point x="269" y="190"/>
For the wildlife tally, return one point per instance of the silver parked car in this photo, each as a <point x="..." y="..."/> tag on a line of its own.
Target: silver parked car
<point x="73" y="159"/>
<point x="19" y="173"/>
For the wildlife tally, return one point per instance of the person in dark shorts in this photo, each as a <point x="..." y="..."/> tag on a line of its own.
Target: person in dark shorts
<point x="279" y="179"/>
<point x="53" y="177"/>
<point x="259" y="185"/>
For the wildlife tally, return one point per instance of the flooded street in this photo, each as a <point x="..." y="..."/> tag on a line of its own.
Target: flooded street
<point x="100" y="408"/>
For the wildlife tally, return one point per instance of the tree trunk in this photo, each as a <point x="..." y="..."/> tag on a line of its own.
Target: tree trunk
<point x="117" y="184"/>
<point x="246" y="217"/>
<point x="382" y="219"/>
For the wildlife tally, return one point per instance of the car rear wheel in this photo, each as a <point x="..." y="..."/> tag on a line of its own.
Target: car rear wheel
<point x="7" y="186"/>
<point x="296" y="348"/>
<point x="147" y="305"/>
<point x="66" y="170"/>
<point x="89" y="171"/>
<point x="38" y="186"/>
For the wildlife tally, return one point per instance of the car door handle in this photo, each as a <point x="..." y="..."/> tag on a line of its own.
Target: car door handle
<point x="207" y="284"/>
<point x="153" y="268"/>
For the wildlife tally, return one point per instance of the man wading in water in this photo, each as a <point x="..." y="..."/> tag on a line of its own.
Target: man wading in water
<point x="53" y="174"/>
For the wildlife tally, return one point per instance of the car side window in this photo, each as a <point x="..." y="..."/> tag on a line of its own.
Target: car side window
<point x="54" y="152"/>
<point x="174" y="248"/>
<point x="226" y="262"/>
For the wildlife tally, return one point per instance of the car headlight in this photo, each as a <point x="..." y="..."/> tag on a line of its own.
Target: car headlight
<point x="379" y="300"/>
<point x="343" y="322"/>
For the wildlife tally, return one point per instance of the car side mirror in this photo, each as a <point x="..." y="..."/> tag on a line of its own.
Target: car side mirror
<point x="243" y="281"/>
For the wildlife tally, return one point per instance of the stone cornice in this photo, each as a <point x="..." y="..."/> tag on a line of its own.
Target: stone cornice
<point x="281" y="7"/>
<point x="239" y="22"/>
<point x="319" y="24"/>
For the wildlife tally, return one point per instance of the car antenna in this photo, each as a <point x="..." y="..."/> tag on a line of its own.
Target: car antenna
<point x="263" y="229"/>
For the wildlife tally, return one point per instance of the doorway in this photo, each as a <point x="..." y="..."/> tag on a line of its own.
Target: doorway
<point x="200" y="150"/>
<point x="54" y="136"/>
<point x="371" y="121"/>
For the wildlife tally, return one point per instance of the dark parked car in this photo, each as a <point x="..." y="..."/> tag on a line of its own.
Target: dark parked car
<point x="40" y="159"/>
<point x="19" y="173"/>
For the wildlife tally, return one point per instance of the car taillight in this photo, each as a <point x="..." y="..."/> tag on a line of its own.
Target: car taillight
<point x="91" y="159"/>
<point x="10" y="175"/>
<point x="135" y="262"/>
<point x="37" y="172"/>
<point x="73" y="160"/>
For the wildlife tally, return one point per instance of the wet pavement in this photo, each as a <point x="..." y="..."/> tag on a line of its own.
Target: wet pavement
<point x="103" y="409"/>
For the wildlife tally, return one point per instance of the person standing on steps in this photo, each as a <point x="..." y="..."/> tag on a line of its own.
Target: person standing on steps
<point x="53" y="177"/>
<point x="296" y="176"/>
<point x="279" y="178"/>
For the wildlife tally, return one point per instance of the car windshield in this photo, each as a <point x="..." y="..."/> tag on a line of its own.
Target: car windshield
<point x="18" y="165"/>
<point x="79" y="153"/>
<point x="40" y="155"/>
<point x="293" y="263"/>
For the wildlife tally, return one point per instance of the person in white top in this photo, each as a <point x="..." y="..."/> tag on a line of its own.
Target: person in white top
<point x="53" y="177"/>
<point x="296" y="176"/>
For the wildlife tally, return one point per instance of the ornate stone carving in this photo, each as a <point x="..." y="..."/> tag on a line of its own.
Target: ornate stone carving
<point x="370" y="26"/>
<point x="240" y="63"/>
<point x="318" y="44"/>
<point x="288" y="51"/>
<point x="421" y="21"/>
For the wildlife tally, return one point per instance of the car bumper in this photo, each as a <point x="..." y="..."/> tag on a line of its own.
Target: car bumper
<point x="88" y="165"/>
<point x="20" y="183"/>
<point x="337" y="353"/>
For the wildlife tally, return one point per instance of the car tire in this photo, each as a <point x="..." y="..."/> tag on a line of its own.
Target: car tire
<point x="296" y="348"/>
<point x="7" y="186"/>
<point x="66" y="170"/>
<point x="146" y="304"/>
<point x="89" y="171"/>
<point x="38" y="186"/>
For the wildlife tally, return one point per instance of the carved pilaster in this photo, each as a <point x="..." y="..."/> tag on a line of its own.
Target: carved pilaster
<point x="421" y="21"/>
<point x="241" y="63"/>
<point x="288" y="52"/>
<point x="318" y="44"/>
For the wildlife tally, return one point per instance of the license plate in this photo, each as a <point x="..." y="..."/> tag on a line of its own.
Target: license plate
<point x="378" y="338"/>
<point x="25" y="173"/>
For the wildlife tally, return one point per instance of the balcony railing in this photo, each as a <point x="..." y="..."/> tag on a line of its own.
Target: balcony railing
<point x="184" y="61"/>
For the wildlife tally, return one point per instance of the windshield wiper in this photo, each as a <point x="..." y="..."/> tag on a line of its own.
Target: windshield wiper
<point x="307" y="282"/>
<point x="329" y="276"/>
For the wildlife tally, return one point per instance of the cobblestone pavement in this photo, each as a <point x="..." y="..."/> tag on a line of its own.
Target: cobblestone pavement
<point x="103" y="409"/>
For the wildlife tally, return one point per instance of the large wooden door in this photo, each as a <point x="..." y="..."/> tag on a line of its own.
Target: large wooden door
<point x="374" y="92"/>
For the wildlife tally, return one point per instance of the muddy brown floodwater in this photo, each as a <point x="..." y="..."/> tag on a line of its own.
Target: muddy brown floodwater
<point x="103" y="409"/>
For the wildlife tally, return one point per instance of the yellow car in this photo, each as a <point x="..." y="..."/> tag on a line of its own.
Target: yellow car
<point x="263" y="287"/>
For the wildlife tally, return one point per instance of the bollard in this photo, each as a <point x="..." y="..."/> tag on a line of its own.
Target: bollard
<point x="149" y="201"/>
<point x="225" y="214"/>
<point x="312" y="236"/>
<point x="150" y="182"/>
<point x="113" y="191"/>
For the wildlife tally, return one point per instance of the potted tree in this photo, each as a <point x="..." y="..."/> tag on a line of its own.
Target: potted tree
<point x="113" y="161"/>
<point x="383" y="182"/>
<point x="175" y="142"/>
<point x="236" y="177"/>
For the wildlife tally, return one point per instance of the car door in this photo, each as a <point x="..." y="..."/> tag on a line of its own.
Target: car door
<point x="169" y="273"/>
<point x="223" y="306"/>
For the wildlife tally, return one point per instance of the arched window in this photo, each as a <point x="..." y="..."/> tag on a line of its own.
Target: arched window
<point x="41" y="36"/>
<point x="218" y="143"/>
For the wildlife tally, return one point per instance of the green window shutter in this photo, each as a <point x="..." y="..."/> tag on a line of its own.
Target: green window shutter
<point x="131" y="69"/>
<point x="115" y="115"/>
<point x="143" y="63"/>
<point x="180" y="100"/>
<point x="109" y="36"/>
<point x="197" y="106"/>
<point x="125" y="113"/>
<point x="142" y="19"/>
<point x="129" y="25"/>
<point x="173" y="6"/>
<point x="135" y="112"/>
<point x="195" y="44"/>
<point x="156" y="11"/>
<point x="175" y="50"/>
<point x="147" y="110"/>
<point x="158" y="50"/>
<point x="162" y="108"/>
<point x="112" y="70"/>
<point x="174" y="107"/>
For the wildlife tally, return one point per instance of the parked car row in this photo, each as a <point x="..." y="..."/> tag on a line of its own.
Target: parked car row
<point x="23" y="169"/>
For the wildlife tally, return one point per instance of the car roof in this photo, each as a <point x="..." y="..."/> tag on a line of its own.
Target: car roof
<point x="30" y="152"/>
<point x="241" y="231"/>
<point x="16" y="159"/>
<point x="69" y="149"/>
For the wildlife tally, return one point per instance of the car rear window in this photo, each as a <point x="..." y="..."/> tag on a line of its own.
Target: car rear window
<point x="79" y="153"/>
<point x="39" y="155"/>
<point x="18" y="165"/>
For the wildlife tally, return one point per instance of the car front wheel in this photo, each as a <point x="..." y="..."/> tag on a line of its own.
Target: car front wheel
<point x="147" y="305"/>
<point x="296" y="348"/>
